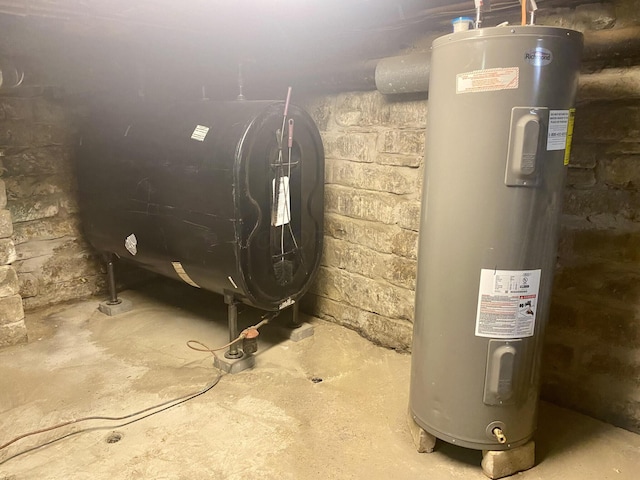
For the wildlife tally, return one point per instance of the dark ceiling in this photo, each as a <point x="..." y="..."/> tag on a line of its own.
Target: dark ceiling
<point x="189" y="42"/>
<point x="245" y="27"/>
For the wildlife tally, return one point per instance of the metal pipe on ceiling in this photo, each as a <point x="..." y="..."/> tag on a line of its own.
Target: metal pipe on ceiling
<point x="612" y="43"/>
<point x="403" y="74"/>
<point x="610" y="84"/>
<point x="410" y="73"/>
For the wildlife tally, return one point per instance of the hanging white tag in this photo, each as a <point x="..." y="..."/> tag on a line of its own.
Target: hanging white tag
<point x="283" y="205"/>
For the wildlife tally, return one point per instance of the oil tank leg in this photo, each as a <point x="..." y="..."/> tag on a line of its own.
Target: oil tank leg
<point x="232" y="317"/>
<point x="111" y="278"/>
<point x="115" y="305"/>
<point x="293" y="327"/>
<point x="423" y="440"/>
<point x="296" y="321"/>
<point x="234" y="360"/>
<point x="498" y="464"/>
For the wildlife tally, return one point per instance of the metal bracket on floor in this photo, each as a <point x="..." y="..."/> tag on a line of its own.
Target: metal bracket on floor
<point x="115" y="305"/>
<point x="111" y="310"/>
<point x="295" y="329"/>
<point x="234" y="365"/>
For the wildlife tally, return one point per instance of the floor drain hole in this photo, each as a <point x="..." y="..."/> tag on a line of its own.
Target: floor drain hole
<point x="114" y="437"/>
<point x="316" y="379"/>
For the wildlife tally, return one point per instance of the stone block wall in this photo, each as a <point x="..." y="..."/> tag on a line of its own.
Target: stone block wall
<point x="592" y="346"/>
<point x="592" y="360"/>
<point x="12" y="326"/>
<point x="374" y="148"/>
<point x="53" y="263"/>
<point x="374" y="156"/>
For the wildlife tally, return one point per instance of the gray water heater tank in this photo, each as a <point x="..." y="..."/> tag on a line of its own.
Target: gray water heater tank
<point x="498" y="140"/>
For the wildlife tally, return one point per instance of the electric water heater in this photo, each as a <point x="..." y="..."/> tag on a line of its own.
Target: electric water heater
<point x="498" y="140"/>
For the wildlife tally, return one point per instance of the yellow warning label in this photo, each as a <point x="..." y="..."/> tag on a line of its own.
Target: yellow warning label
<point x="567" y="151"/>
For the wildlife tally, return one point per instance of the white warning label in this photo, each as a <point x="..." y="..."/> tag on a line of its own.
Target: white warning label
<point x="507" y="303"/>
<point x="558" y="128"/>
<point x="488" y="80"/>
<point x="200" y="133"/>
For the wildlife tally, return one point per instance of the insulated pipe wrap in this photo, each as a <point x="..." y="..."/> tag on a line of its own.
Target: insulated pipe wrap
<point x="404" y="74"/>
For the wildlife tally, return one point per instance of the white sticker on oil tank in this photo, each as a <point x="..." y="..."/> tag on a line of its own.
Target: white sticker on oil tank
<point x="489" y="80"/>
<point x="558" y="127"/>
<point x="131" y="244"/>
<point x="177" y="266"/>
<point x="282" y="214"/>
<point x="507" y="303"/>
<point x="200" y="133"/>
<point x="288" y="302"/>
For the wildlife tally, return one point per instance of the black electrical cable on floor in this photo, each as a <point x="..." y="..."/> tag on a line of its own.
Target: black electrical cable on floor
<point x="161" y="406"/>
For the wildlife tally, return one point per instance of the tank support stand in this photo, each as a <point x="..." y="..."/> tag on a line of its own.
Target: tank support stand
<point x="234" y="360"/>
<point x="294" y="328"/>
<point x="232" y="316"/>
<point x="503" y="463"/>
<point x="115" y="305"/>
<point x="423" y="440"/>
<point x="298" y="329"/>
<point x="111" y="279"/>
<point x="495" y="463"/>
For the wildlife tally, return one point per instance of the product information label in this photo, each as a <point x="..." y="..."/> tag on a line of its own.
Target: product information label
<point x="177" y="266"/>
<point x="558" y="129"/>
<point x="507" y="303"/>
<point x="567" y="151"/>
<point x="200" y="133"/>
<point x="489" y="80"/>
<point x="281" y="215"/>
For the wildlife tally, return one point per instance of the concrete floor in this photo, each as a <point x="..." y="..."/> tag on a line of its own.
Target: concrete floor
<point x="267" y="423"/>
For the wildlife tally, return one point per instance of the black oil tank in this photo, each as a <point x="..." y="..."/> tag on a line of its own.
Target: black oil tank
<point x="203" y="193"/>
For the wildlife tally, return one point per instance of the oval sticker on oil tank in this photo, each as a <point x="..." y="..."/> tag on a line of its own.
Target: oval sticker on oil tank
<point x="538" y="56"/>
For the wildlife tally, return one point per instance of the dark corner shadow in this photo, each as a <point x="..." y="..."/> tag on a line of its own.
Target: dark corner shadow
<point x="560" y="430"/>
<point x="179" y="295"/>
<point x="204" y="304"/>
<point x="455" y="453"/>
